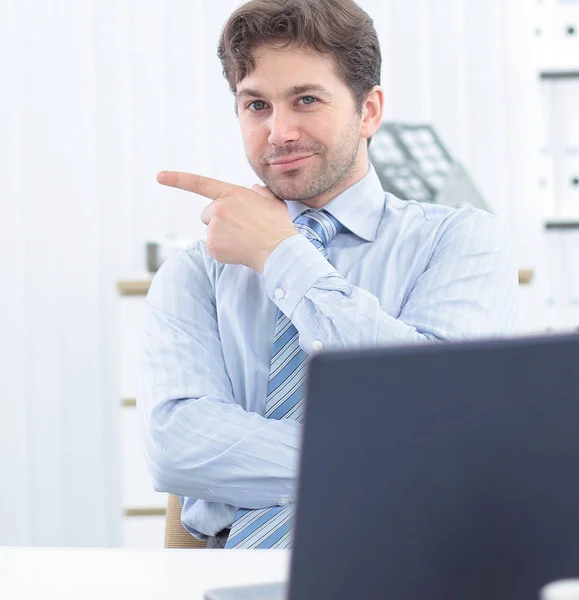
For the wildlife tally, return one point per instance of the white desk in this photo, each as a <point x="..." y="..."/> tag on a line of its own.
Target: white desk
<point x="66" y="574"/>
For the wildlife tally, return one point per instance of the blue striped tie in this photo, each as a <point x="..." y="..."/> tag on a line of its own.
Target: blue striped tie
<point x="272" y="527"/>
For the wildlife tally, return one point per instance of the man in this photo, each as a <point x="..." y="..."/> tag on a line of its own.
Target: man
<point x="317" y="258"/>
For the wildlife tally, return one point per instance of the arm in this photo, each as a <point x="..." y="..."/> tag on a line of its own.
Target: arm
<point x="469" y="289"/>
<point x="198" y="442"/>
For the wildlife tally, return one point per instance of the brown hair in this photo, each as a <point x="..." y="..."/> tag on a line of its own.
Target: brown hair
<point x="336" y="27"/>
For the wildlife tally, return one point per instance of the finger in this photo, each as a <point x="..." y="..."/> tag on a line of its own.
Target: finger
<point x="204" y="186"/>
<point x="264" y="191"/>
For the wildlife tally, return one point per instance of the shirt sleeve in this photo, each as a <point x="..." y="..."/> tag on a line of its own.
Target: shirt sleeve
<point x="469" y="289"/>
<point x="198" y="441"/>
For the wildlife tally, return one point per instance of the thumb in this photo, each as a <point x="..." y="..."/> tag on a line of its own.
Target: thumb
<point x="264" y="191"/>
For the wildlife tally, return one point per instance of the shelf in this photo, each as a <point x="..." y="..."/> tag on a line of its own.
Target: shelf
<point x="134" y="287"/>
<point x="561" y="225"/>
<point x="563" y="74"/>
<point x="140" y="287"/>
<point x="145" y="512"/>
<point x="526" y="276"/>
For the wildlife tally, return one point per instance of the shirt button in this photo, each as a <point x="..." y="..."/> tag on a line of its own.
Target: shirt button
<point x="317" y="345"/>
<point x="279" y="293"/>
<point x="283" y="501"/>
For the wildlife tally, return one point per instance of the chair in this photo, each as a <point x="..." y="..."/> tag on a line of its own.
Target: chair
<point x="176" y="536"/>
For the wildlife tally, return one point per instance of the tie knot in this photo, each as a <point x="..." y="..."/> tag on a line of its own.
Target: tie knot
<point x="318" y="226"/>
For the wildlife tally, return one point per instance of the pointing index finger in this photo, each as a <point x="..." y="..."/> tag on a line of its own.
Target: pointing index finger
<point x="204" y="186"/>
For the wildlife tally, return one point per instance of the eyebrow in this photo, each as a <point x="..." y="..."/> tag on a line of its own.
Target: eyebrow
<point x="293" y="91"/>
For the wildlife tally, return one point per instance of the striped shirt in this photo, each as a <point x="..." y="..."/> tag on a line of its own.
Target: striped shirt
<point x="403" y="273"/>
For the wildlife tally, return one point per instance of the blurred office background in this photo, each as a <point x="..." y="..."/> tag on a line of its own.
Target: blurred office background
<point x="96" y="96"/>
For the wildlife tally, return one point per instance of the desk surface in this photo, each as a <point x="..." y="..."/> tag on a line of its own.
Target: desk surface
<point x="114" y="574"/>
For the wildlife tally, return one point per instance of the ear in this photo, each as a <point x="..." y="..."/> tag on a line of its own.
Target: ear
<point x="372" y="112"/>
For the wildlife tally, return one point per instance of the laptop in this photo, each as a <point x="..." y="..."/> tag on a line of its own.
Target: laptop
<point x="439" y="472"/>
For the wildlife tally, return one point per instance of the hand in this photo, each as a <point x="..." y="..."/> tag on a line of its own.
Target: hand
<point x="243" y="226"/>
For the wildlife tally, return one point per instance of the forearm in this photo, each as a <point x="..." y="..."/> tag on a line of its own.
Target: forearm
<point x="325" y="308"/>
<point x="216" y="451"/>
<point x="468" y="289"/>
<point x="343" y="316"/>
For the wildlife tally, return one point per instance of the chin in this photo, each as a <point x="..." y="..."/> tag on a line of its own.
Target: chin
<point x="291" y="190"/>
<point x="290" y="193"/>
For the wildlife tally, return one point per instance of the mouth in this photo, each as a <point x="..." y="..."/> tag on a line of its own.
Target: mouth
<point x="289" y="163"/>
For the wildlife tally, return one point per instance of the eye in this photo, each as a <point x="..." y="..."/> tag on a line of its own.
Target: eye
<point x="307" y="100"/>
<point x="256" y="105"/>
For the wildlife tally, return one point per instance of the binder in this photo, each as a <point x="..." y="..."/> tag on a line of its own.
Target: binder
<point x="565" y="147"/>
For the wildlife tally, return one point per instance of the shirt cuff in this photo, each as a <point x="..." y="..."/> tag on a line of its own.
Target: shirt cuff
<point x="291" y="270"/>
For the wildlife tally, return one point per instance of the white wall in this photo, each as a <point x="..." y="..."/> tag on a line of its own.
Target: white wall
<point x="96" y="96"/>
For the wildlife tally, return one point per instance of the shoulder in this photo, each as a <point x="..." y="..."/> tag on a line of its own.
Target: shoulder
<point x="432" y="213"/>
<point x="480" y="229"/>
<point x="444" y="223"/>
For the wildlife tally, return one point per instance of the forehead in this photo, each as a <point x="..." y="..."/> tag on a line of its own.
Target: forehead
<point x="278" y="68"/>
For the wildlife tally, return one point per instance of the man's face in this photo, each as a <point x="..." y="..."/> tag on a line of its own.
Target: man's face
<point x="299" y="123"/>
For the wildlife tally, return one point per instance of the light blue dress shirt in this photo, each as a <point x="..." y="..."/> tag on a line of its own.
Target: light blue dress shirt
<point x="404" y="273"/>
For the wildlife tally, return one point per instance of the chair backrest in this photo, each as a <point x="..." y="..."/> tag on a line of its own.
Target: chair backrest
<point x="176" y="536"/>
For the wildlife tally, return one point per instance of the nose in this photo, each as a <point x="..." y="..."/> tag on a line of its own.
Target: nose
<point x="283" y="127"/>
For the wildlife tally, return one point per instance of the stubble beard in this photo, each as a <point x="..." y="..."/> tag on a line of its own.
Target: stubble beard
<point x="332" y="170"/>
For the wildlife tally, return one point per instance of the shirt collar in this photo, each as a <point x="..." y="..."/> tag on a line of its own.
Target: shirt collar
<point x="358" y="208"/>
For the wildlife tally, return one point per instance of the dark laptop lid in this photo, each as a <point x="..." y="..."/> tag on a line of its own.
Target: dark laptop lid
<point x="440" y="472"/>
